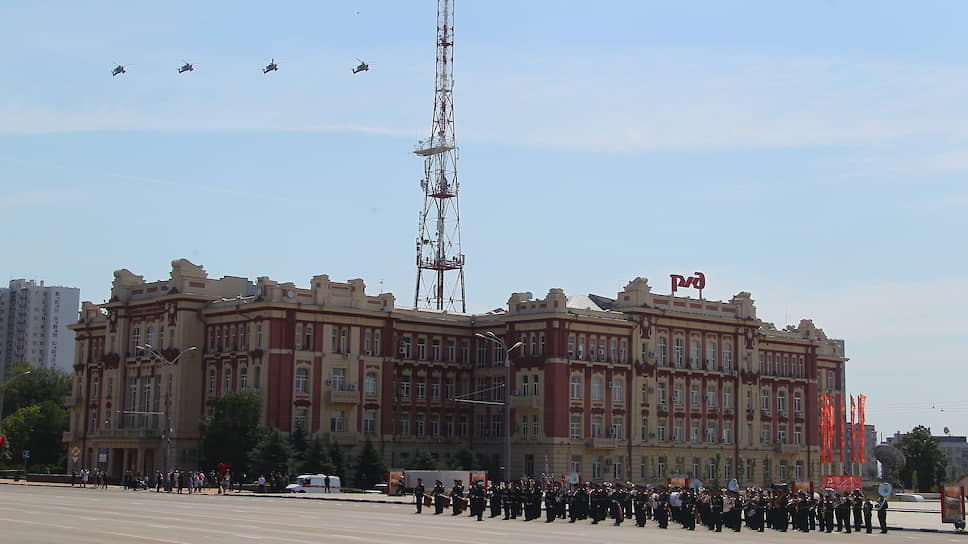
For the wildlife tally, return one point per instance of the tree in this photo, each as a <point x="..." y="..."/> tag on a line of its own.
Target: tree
<point x="923" y="458"/>
<point x="422" y="461"/>
<point x="369" y="467"/>
<point x="297" y="439"/>
<point x="232" y="430"/>
<point x="336" y="458"/>
<point x="42" y="384"/>
<point x="271" y="454"/>
<point x="38" y="428"/>
<point x="464" y="458"/>
<point x="316" y="458"/>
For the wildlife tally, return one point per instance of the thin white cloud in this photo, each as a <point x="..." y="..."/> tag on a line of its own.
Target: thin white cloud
<point x="637" y="100"/>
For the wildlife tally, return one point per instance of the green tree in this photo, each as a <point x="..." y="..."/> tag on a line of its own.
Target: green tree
<point x="370" y="469"/>
<point x="924" y="457"/>
<point x="315" y="459"/>
<point x="337" y="459"/>
<point x="464" y="458"/>
<point x="38" y="428"/>
<point x="297" y="439"/>
<point x="42" y="384"/>
<point x="422" y="461"/>
<point x="271" y="454"/>
<point x="232" y="430"/>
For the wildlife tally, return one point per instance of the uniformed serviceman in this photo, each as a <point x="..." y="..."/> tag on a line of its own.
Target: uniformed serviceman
<point x="456" y="494"/>
<point x="418" y="494"/>
<point x="438" y="494"/>
<point x="477" y="500"/>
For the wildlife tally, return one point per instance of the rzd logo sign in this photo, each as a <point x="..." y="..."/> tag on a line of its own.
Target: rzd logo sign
<point x="698" y="281"/>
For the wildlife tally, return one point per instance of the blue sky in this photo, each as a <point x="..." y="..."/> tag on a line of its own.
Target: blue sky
<point x="812" y="153"/>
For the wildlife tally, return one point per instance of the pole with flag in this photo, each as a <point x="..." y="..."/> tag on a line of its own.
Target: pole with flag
<point x="853" y="434"/>
<point x="861" y="401"/>
<point x="841" y="419"/>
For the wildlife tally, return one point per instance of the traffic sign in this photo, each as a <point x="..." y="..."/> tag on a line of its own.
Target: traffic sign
<point x="76" y="452"/>
<point x="26" y="454"/>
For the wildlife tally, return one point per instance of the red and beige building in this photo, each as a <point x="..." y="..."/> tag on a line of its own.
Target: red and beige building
<point x="639" y="387"/>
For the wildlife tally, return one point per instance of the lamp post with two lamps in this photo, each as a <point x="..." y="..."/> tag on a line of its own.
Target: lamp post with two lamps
<point x="491" y="337"/>
<point x="167" y="413"/>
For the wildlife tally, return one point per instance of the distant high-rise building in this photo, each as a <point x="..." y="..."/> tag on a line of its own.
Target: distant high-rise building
<point x="33" y="325"/>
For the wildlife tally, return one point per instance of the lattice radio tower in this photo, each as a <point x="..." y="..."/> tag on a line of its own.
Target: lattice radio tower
<point x="438" y="244"/>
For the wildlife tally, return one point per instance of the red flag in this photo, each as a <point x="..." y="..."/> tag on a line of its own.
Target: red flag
<point x="841" y="419"/>
<point x="823" y="429"/>
<point x="861" y="400"/>
<point x="853" y="432"/>
<point x="2" y="440"/>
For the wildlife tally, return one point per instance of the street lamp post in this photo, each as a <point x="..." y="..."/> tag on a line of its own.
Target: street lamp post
<point x="491" y="337"/>
<point x="167" y="413"/>
<point x="3" y="389"/>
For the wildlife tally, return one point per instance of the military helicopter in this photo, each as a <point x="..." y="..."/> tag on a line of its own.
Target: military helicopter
<point x="363" y="67"/>
<point x="273" y="65"/>
<point x="119" y="69"/>
<point x="187" y="67"/>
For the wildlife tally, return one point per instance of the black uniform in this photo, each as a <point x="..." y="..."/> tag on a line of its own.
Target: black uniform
<point x="477" y="501"/>
<point x="418" y="494"/>
<point x="882" y="514"/>
<point x="551" y="505"/>
<point x="495" y="497"/>
<point x="438" y="494"/>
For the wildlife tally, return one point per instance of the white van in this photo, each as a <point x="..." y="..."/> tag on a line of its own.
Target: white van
<point x="314" y="483"/>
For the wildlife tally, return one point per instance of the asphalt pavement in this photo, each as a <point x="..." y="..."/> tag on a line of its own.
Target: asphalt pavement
<point x="44" y="513"/>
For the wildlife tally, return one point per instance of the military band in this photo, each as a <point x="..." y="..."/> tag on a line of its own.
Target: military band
<point x="757" y="509"/>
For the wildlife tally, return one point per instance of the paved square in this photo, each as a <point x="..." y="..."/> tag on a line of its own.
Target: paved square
<point x="49" y="514"/>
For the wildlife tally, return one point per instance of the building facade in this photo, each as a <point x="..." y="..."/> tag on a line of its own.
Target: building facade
<point x="641" y="387"/>
<point x="34" y="322"/>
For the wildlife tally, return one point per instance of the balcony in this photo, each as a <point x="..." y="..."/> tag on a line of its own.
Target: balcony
<point x="525" y="401"/>
<point x="71" y="436"/>
<point x="787" y="448"/>
<point x="601" y="443"/>
<point x="128" y="434"/>
<point x="346" y="396"/>
<point x="73" y="400"/>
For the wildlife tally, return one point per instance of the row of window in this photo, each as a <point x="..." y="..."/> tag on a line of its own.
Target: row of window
<point x="710" y="359"/>
<point x="785" y="365"/>
<point x="337" y="421"/>
<point x="713" y="433"/>
<point x="598" y="385"/>
<point x="228" y="383"/>
<point x="148" y="339"/>
<point x="231" y="338"/>
<point x="600" y="349"/>
<point x="660" y="467"/>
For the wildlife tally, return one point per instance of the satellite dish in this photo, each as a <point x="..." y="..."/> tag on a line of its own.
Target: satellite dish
<point x="733" y="485"/>
<point x="885" y="489"/>
<point x="290" y="293"/>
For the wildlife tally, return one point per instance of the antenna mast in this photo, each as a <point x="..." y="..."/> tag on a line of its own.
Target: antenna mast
<point x="438" y="244"/>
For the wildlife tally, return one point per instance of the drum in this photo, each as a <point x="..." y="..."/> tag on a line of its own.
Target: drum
<point x="428" y="501"/>
<point x="463" y="503"/>
<point x="445" y="500"/>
